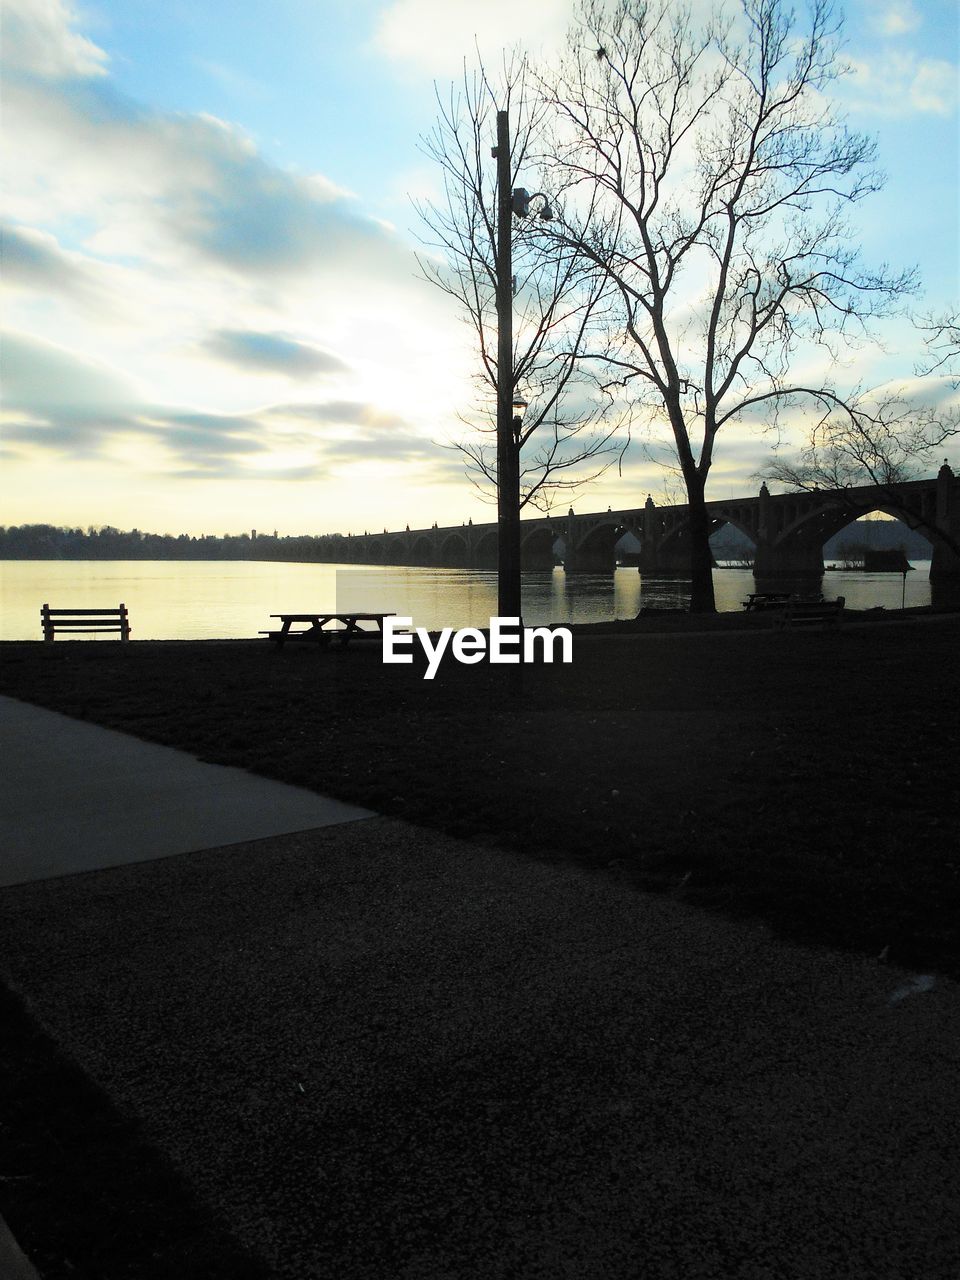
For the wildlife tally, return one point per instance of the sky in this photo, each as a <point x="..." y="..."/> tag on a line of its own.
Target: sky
<point x="213" y="318"/>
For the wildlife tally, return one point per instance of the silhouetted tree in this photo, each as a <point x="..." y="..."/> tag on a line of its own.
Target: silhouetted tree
<point x="942" y="339"/>
<point x="572" y="428"/>
<point x="862" y="442"/>
<point x="712" y="173"/>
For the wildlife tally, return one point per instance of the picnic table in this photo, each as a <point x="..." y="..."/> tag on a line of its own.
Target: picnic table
<point x="811" y="613"/>
<point x="766" y="600"/>
<point x="325" y="627"/>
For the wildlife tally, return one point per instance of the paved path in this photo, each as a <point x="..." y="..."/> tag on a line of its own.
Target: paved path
<point x="377" y="1053"/>
<point x="13" y="1264"/>
<point x="77" y="797"/>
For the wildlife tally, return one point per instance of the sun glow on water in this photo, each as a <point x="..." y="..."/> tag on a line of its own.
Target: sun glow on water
<point x="208" y="599"/>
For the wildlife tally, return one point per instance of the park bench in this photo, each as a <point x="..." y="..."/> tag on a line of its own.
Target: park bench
<point x="810" y="613"/>
<point x="760" y="600"/>
<point x="101" y="621"/>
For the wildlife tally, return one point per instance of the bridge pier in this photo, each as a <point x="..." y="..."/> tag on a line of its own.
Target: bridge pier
<point x="945" y="561"/>
<point x="790" y="560"/>
<point x="944" y="564"/>
<point x="665" y="560"/>
<point x="588" y="545"/>
<point x="537" y="559"/>
<point x="590" y="559"/>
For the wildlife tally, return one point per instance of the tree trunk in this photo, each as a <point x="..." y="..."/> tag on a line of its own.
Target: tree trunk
<point x="701" y="558"/>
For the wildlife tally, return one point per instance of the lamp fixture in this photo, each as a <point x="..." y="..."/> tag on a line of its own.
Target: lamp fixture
<point x="520" y="203"/>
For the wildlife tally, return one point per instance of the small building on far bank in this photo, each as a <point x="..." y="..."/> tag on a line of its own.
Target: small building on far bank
<point x="890" y="561"/>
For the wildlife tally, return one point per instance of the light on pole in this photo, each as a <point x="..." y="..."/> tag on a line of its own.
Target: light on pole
<point x="521" y="199"/>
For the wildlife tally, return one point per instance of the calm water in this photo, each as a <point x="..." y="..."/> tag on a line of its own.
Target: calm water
<point x="190" y="600"/>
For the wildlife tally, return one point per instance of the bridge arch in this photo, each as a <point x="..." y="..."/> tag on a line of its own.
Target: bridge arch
<point x="721" y="522"/>
<point x="829" y="520"/>
<point x="453" y="551"/>
<point x="536" y="548"/>
<point x="720" y="519"/>
<point x="396" y="549"/>
<point x="678" y="529"/>
<point x="423" y="551"/>
<point x="485" y="550"/>
<point x="592" y="549"/>
<point x="814" y="528"/>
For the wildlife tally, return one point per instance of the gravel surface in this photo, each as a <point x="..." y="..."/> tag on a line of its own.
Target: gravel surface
<point x="378" y="1052"/>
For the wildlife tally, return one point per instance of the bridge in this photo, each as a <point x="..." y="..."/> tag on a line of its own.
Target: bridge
<point x="788" y="531"/>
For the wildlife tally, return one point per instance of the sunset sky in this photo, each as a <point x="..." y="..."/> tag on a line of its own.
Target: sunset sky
<point x="213" y="319"/>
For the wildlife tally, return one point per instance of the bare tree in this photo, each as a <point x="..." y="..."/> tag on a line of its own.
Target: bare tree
<point x="874" y="439"/>
<point x="713" y="175"/>
<point x="942" y="339"/>
<point x="571" y="428"/>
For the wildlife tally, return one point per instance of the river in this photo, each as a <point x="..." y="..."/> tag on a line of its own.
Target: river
<point x="209" y="599"/>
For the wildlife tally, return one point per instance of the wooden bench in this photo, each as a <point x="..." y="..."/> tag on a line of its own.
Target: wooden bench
<point x="765" y="600"/>
<point x="100" y="621"/>
<point x="810" y="613"/>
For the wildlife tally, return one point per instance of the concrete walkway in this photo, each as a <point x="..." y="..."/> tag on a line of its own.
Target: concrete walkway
<point x="13" y="1264"/>
<point x="77" y="797"/>
<point x="376" y="1052"/>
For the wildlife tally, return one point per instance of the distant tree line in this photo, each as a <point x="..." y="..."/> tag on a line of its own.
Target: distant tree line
<point x="51" y="542"/>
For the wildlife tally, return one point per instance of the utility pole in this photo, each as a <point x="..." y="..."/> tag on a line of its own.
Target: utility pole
<point x="508" y="460"/>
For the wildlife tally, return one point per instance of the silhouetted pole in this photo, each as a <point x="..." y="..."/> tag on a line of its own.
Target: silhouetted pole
<point x="508" y="461"/>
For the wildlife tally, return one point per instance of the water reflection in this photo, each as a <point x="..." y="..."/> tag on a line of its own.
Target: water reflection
<point x="209" y="599"/>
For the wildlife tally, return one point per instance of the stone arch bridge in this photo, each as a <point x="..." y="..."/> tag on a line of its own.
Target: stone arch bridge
<point x="788" y="531"/>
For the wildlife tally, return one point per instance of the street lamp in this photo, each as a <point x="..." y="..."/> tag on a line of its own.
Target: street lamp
<point x="511" y="202"/>
<point x="520" y="204"/>
<point x="508" y="470"/>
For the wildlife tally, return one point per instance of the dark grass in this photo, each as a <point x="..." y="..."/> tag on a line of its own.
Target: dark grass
<point x="82" y="1190"/>
<point x="808" y="778"/>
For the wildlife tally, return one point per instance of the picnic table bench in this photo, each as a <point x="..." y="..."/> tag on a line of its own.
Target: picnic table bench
<point x="98" y="620"/>
<point x="322" y="628"/>
<point x="811" y="613"/>
<point x="766" y="600"/>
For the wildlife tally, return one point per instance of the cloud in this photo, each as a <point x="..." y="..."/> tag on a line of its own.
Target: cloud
<point x="35" y="259"/>
<point x="58" y="401"/>
<point x="237" y="209"/>
<point x="934" y="87"/>
<point x="184" y="189"/>
<point x="395" y="446"/>
<point x="459" y="28"/>
<point x="271" y="353"/>
<point x="900" y="84"/>
<point x="171" y="244"/>
<point x="232" y="81"/>
<point x="48" y="381"/>
<point x="897" y="19"/>
<point x="351" y="413"/>
<point x="63" y="402"/>
<point x="38" y="38"/>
